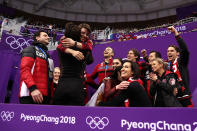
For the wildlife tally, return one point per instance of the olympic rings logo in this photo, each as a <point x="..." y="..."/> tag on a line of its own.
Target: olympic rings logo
<point x="118" y="36"/>
<point x="97" y="122"/>
<point x="7" y="116"/>
<point x="18" y="43"/>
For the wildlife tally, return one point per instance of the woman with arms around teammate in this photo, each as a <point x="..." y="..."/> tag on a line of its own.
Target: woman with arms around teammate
<point x="134" y="92"/>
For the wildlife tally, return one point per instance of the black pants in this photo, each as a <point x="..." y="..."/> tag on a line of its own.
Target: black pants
<point x="69" y="92"/>
<point x="29" y="100"/>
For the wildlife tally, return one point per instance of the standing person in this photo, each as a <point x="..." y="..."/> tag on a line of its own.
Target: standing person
<point x="117" y="62"/>
<point x="105" y="68"/>
<point x="112" y="87"/>
<point x="165" y="85"/>
<point x="107" y="89"/>
<point x="85" y="44"/>
<point x="54" y="35"/>
<point x="34" y="79"/>
<point x="178" y="59"/>
<point x="148" y="69"/>
<point x="114" y="79"/>
<point x="72" y="62"/>
<point x="134" y="56"/>
<point x="56" y="75"/>
<point x="135" y="92"/>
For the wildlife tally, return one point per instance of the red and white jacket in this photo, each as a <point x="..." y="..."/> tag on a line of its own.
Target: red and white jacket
<point x="34" y="70"/>
<point x="102" y="70"/>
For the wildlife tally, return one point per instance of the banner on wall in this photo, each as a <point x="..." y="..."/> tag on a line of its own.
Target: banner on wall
<point x="18" y="43"/>
<point x="14" y="43"/>
<point x="160" y="32"/>
<point x="34" y="30"/>
<point x="61" y="118"/>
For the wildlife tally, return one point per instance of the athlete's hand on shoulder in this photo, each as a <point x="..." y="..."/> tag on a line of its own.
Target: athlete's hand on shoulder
<point x="123" y="85"/>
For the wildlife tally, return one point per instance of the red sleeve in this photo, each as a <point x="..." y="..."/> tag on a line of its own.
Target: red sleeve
<point x="26" y="67"/>
<point x="61" y="48"/>
<point x="89" y="81"/>
<point x="148" y="90"/>
<point x="109" y="90"/>
<point x="87" y="45"/>
<point x="52" y="87"/>
<point x="95" y="72"/>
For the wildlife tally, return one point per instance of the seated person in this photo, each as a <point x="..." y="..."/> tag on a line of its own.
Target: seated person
<point x="111" y="89"/>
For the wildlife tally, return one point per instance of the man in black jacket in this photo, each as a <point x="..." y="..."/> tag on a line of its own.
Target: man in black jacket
<point x="178" y="59"/>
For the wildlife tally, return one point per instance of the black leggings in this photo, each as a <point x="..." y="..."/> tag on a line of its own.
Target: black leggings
<point x="69" y="92"/>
